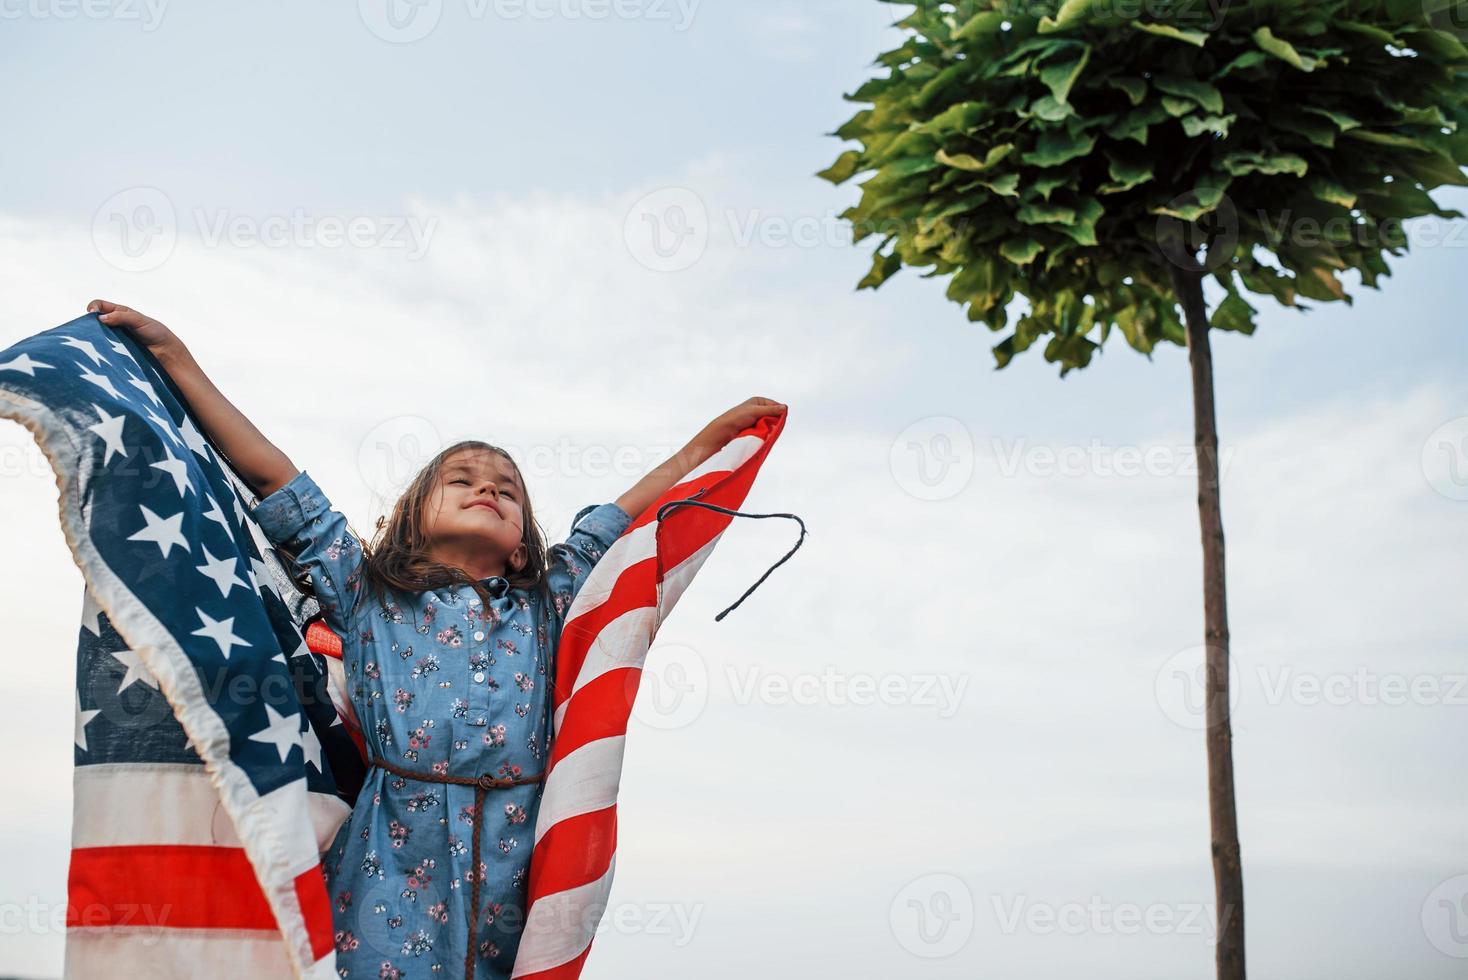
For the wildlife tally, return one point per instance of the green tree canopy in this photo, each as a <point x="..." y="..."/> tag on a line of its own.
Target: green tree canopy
<point x="1055" y="150"/>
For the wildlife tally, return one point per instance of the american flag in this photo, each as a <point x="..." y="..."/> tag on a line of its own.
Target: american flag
<point x="212" y="764"/>
<point x="604" y="643"/>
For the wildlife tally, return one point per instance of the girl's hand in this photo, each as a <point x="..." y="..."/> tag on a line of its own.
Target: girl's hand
<point x="145" y="330"/>
<point x="724" y="428"/>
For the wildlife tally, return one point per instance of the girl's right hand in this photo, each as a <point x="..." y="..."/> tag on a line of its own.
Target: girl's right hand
<point x="146" y="330"/>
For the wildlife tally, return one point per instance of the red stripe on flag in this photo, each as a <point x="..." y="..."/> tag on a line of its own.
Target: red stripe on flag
<point x="316" y="910"/>
<point x="603" y="708"/>
<point x="172" y="886"/>
<point x="584" y="844"/>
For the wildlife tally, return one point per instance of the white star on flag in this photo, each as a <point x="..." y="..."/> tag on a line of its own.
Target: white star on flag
<point x="177" y="469"/>
<point x="25" y="363"/>
<point x="85" y="346"/>
<point x="110" y="429"/>
<point x="162" y="531"/>
<point x="101" y="381"/>
<point x="217" y="515"/>
<point x="221" y="631"/>
<point x="311" y="745"/>
<point x="222" y="571"/>
<point x="283" y="731"/>
<point x="121" y="348"/>
<point x="193" y="438"/>
<point x="146" y="387"/>
<point x="136" y="670"/>
<point x="167" y="428"/>
<point x="83" y="719"/>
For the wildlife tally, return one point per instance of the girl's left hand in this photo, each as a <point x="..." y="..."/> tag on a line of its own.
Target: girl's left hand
<point x="740" y="417"/>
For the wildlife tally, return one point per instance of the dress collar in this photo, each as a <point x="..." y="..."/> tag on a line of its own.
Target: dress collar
<point x="496" y="585"/>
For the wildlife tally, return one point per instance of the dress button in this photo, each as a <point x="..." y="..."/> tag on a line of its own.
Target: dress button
<point x="479" y="636"/>
<point x="479" y="677"/>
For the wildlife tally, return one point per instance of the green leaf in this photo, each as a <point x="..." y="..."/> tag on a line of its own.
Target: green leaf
<point x="1061" y="78"/>
<point x="1045" y="184"/>
<point x="1343" y="122"/>
<point x="964" y="161"/>
<point x="1198" y="125"/>
<point x="1280" y="48"/>
<point x="1083" y="229"/>
<point x="1071" y="13"/>
<point x="883" y="268"/>
<point x="1394" y="140"/>
<point x="1234" y="313"/>
<point x="1134" y="125"/>
<point x="1021" y="251"/>
<point x="1046" y="214"/>
<point x="1167" y="30"/>
<point x="1047" y="108"/>
<point x="1005" y="186"/>
<point x="1207" y="96"/>
<point x="1135" y="88"/>
<point x="987" y="22"/>
<point x="843" y="169"/>
<point x="1058" y="146"/>
<point x="1328" y="190"/>
<point x="1242" y="162"/>
<point x="1127" y="171"/>
<point x="1245" y="61"/>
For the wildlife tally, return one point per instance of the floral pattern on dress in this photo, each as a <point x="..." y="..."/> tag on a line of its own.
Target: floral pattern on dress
<point x="467" y="701"/>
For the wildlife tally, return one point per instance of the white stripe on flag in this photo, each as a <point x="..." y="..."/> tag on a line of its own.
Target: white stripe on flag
<point x="585" y="781"/>
<point x="558" y="928"/>
<point x="119" y="805"/>
<point x="166" y="952"/>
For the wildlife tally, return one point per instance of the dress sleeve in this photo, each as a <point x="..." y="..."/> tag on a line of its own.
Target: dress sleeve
<point x="569" y="563"/>
<point x="299" y="520"/>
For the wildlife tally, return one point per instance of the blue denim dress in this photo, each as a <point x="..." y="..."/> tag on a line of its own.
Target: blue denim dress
<point x="440" y="684"/>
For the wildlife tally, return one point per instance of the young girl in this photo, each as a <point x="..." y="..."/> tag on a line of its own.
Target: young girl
<point x="449" y="622"/>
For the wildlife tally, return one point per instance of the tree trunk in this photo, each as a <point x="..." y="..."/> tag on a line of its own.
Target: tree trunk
<point x="1228" y="877"/>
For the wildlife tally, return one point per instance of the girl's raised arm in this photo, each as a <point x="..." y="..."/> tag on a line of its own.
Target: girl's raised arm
<point x="710" y="439"/>
<point x="258" y="460"/>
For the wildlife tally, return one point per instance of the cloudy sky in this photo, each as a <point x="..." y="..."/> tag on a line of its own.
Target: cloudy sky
<point x="955" y="736"/>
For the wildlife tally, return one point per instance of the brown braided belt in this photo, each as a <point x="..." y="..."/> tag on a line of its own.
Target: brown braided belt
<point x="482" y="785"/>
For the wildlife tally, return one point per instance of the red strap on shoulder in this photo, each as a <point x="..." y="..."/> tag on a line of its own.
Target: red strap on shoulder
<point x="320" y="639"/>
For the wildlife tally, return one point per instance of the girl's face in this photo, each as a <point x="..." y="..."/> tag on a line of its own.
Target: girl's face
<point x="475" y="510"/>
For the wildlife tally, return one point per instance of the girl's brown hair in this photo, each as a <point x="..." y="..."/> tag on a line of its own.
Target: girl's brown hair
<point x="396" y="559"/>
